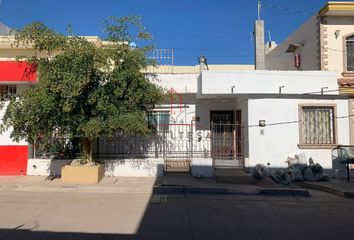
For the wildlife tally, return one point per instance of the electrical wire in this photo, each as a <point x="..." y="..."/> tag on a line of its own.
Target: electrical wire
<point x="293" y="10"/>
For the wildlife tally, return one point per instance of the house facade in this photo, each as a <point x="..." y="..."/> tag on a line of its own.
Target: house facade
<point x="251" y="117"/>
<point x="238" y="119"/>
<point x="324" y="42"/>
<point x="216" y="116"/>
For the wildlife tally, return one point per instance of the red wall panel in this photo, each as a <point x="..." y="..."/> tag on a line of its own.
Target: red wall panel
<point x="13" y="160"/>
<point x="17" y="71"/>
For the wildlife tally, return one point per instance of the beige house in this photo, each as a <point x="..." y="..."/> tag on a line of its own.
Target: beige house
<point x="324" y="42"/>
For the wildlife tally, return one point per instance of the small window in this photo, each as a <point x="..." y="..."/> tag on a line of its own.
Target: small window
<point x="350" y="53"/>
<point x="317" y="125"/>
<point x="7" y="90"/>
<point x="159" y="121"/>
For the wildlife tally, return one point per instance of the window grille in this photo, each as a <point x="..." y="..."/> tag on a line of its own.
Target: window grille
<point x="350" y="53"/>
<point x="7" y="90"/>
<point x="317" y="126"/>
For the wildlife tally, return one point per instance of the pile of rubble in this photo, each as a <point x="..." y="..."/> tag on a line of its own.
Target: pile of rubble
<point x="295" y="172"/>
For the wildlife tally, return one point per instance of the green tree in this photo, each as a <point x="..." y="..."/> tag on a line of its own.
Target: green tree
<point x="84" y="90"/>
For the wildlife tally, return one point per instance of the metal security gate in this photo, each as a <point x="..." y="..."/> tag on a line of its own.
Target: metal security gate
<point x="227" y="145"/>
<point x="178" y="147"/>
<point x="226" y="138"/>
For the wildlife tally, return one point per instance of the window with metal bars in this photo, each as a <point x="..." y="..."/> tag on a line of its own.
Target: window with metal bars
<point x="7" y="91"/>
<point x="159" y="121"/>
<point x="317" y="125"/>
<point x="350" y="53"/>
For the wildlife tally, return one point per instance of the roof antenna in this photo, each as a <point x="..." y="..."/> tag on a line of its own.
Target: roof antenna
<point x="269" y="36"/>
<point x="259" y="9"/>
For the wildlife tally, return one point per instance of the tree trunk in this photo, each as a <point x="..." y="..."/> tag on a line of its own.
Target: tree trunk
<point x="87" y="150"/>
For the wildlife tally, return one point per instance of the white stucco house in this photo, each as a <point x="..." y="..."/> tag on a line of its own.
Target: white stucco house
<point x="237" y="119"/>
<point x="264" y="116"/>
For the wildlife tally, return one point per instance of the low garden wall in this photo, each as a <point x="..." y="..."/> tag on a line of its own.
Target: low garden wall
<point x="150" y="167"/>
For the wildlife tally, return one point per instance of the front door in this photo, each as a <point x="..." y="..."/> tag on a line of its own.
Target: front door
<point x="226" y="134"/>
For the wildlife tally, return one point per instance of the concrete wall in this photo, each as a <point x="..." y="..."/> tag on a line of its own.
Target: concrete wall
<point x="113" y="168"/>
<point x="45" y="167"/>
<point x="273" y="144"/>
<point x="308" y="35"/>
<point x="121" y="167"/>
<point x="152" y="167"/>
<point x="181" y="83"/>
<point x="219" y="84"/>
<point x="202" y="167"/>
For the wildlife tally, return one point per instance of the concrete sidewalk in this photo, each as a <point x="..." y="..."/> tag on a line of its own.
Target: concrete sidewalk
<point x="169" y="184"/>
<point x="106" y="185"/>
<point x="339" y="187"/>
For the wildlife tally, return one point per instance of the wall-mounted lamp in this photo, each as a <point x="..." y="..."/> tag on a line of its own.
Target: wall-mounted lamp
<point x="280" y="88"/>
<point x="262" y="123"/>
<point x="323" y="89"/>
<point x="337" y="33"/>
<point x="232" y="89"/>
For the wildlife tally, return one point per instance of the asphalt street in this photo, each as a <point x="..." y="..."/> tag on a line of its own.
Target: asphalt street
<point x="73" y="215"/>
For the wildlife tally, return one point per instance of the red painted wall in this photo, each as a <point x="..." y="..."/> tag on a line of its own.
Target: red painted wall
<point x="13" y="160"/>
<point x="17" y="71"/>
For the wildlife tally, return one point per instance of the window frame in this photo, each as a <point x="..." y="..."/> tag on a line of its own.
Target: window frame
<point x="303" y="145"/>
<point x="345" y="55"/>
<point x="157" y="126"/>
<point x="346" y="39"/>
<point x="9" y="93"/>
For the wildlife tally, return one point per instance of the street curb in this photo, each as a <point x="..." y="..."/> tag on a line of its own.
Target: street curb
<point x="157" y="190"/>
<point x="225" y="191"/>
<point x="334" y="191"/>
<point x="195" y="190"/>
<point x="285" y="192"/>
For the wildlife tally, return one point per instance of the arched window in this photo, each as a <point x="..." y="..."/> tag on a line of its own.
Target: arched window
<point x="350" y="53"/>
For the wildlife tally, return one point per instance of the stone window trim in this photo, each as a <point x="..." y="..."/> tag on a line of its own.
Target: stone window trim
<point x="303" y="145"/>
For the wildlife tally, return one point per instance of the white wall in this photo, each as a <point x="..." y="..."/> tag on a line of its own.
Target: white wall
<point x="266" y="82"/>
<point x="181" y="83"/>
<point x="278" y="142"/>
<point x="45" y="167"/>
<point x="152" y="167"/>
<point x="308" y="35"/>
<point x="5" y="136"/>
<point x="202" y="167"/>
<point x="113" y="168"/>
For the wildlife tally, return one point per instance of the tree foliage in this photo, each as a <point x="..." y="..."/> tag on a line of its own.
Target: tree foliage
<point x="84" y="90"/>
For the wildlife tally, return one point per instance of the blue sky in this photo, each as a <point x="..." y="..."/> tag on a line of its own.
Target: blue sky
<point x="218" y="29"/>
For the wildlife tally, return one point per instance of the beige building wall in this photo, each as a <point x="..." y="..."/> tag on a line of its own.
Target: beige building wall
<point x="308" y="35"/>
<point x="334" y="46"/>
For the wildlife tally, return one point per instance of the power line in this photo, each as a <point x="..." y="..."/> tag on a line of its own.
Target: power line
<point x="292" y="122"/>
<point x="292" y="10"/>
<point x="287" y="9"/>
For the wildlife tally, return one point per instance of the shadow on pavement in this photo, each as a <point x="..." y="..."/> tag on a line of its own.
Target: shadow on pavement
<point x="14" y="234"/>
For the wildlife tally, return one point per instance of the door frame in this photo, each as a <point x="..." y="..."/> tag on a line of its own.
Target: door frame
<point x="223" y="112"/>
